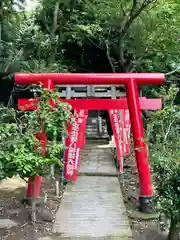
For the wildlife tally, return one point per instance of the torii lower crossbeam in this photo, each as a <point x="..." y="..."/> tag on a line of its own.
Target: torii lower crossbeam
<point x="98" y="104"/>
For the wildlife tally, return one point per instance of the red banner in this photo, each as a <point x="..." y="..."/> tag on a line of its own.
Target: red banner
<point x="122" y="137"/>
<point x="121" y="130"/>
<point x="82" y="120"/>
<point x="128" y="130"/>
<point x="74" y="142"/>
<point x="125" y="124"/>
<point x="115" y="123"/>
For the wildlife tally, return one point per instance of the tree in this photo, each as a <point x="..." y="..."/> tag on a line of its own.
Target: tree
<point x="21" y="152"/>
<point x="109" y="24"/>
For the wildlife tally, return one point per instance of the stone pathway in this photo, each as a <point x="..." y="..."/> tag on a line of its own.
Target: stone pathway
<point x="97" y="161"/>
<point x="93" y="207"/>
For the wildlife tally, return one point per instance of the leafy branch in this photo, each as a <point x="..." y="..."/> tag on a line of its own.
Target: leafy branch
<point x="21" y="152"/>
<point x="136" y="8"/>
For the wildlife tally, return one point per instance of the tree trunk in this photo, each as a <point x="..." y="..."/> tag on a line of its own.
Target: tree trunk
<point x="174" y="230"/>
<point x="52" y="32"/>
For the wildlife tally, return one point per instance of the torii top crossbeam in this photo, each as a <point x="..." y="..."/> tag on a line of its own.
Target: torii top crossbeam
<point x="90" y="78"/>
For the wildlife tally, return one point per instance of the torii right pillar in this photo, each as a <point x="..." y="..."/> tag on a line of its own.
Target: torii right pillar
<point x="145" y="182"/>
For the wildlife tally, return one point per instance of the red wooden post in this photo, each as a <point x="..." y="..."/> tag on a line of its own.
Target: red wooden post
<point x="139" y="145"/>
<point x="48" y="83"/>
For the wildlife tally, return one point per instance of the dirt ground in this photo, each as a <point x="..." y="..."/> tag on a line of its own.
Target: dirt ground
<point x="143" y="229"/>
<point x="11" y="207"/>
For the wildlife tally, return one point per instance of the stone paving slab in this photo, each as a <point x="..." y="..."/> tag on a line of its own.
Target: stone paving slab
<point x="98" y="161"/>
<point x="86" y="211"/>
<point x="93" y="207"/>
<point x="94" y="184"/>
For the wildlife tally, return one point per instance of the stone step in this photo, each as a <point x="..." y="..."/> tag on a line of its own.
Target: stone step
<point x="94" y="184"/>
<point x="98" y="174"/>
<point x="94" y="142"/>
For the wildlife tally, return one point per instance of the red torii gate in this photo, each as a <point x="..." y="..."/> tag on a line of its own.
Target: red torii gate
<point x="133" y="102"/>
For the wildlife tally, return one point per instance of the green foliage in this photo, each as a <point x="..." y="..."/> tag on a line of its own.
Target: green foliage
<point x="21" y="152"/>
<point x="165" y="123"/>
<point x="154" y="38"/>
<point x="166" y="175"/>
<point x="164" y="126"/>
<point x="139" y="36"/>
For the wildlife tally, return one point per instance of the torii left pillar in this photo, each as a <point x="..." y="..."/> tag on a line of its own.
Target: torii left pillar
<point x="35" y="192"/>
